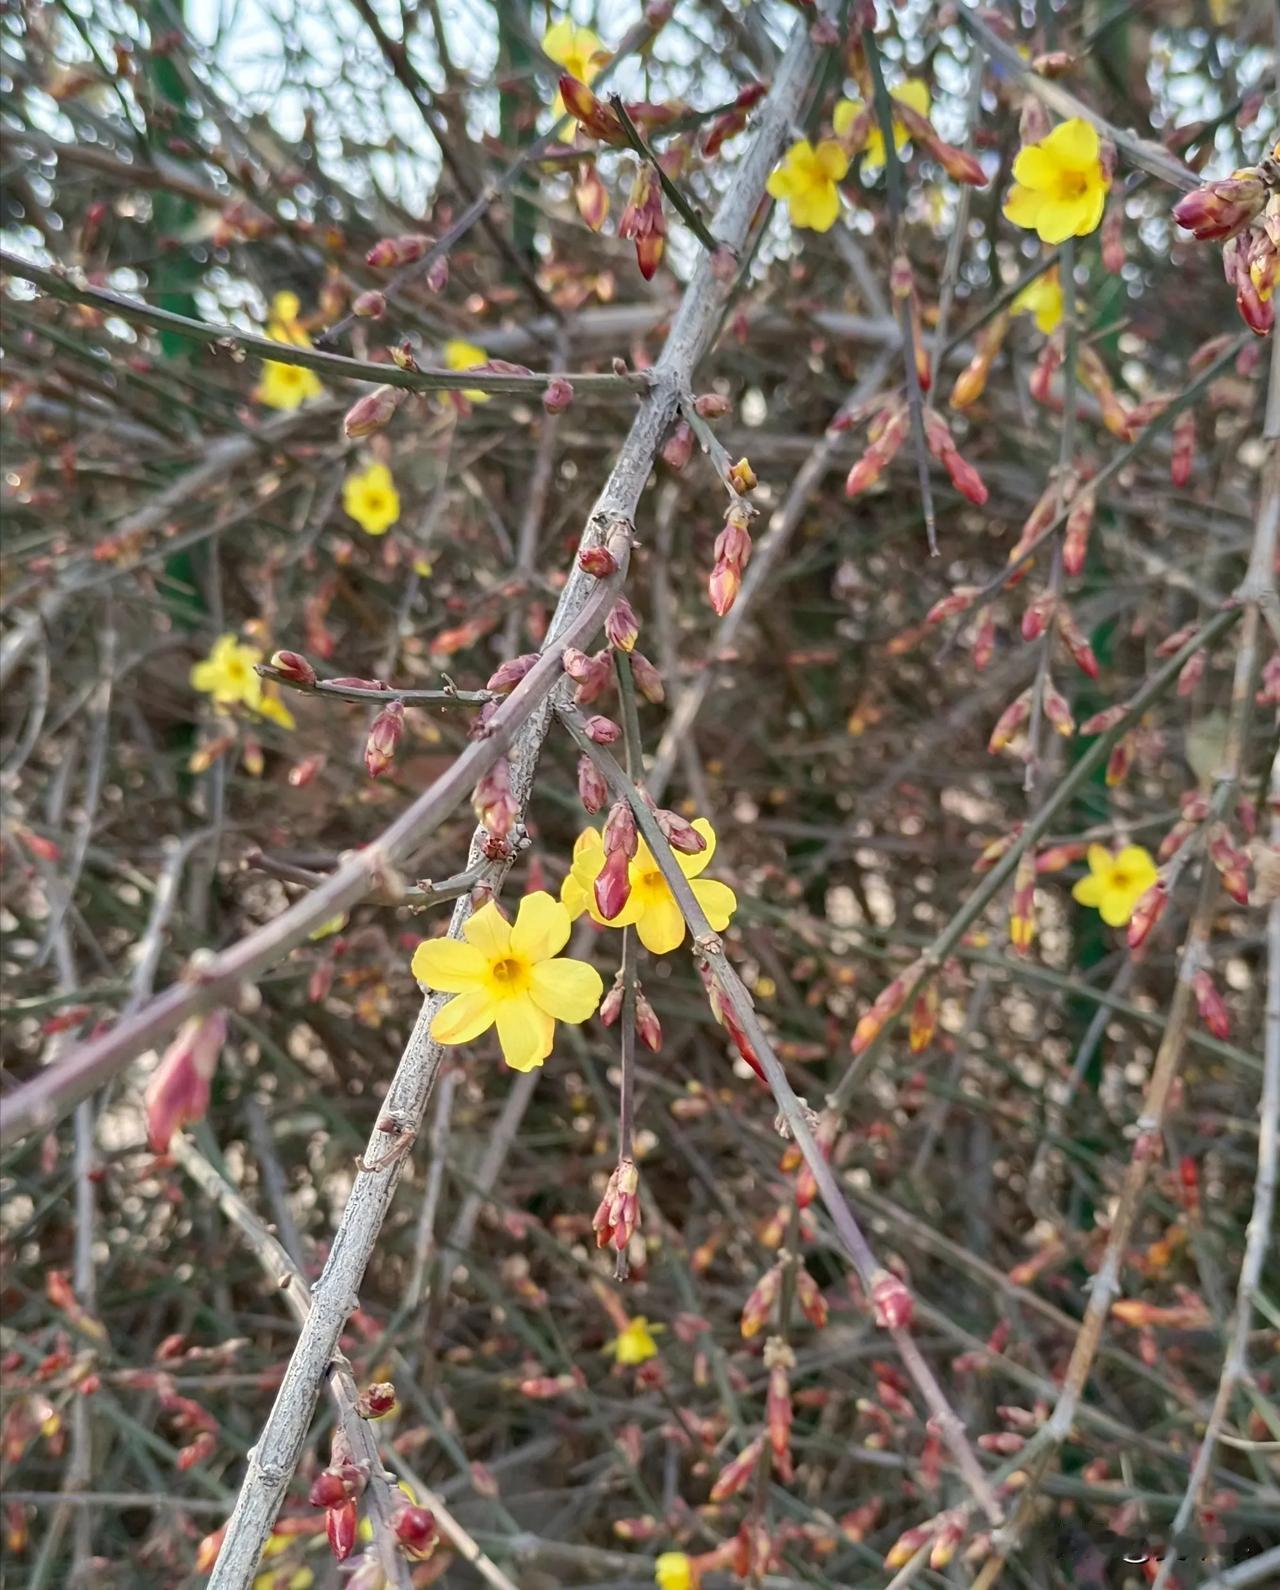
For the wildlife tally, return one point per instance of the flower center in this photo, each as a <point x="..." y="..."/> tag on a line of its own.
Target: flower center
<point x="1120" y="879"/>
<point x="652" y="880"/>
<point x="1072" y="184"/>
<point x="373" y="502"/>
<point x="507" y="971"/>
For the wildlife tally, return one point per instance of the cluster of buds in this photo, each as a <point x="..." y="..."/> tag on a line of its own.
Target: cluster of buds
<point x="886" y="1005"/>
<point x="336" y="1489"/>
<point x="494" y="801"/>
<point x="384" y="736"/>
<point x="971" y="383"/>
<point x="621" y="841"/>
<point x="592" y="676"/>
<point x="644" y="222"/>
<point x="732" y="121"/>
<point x="617" y="1219"/>
<point x="388" y="253"/>
<point x="885" y="435"/>
<point x="902" y="289"/>
<point x="178" y="1092"/>
<point x="648" y="1027"/>
<point x="1242" y="212"/>
<point x="964" y="477"/>
<point x="372" y="411"/>
<point x="732" y="553"/>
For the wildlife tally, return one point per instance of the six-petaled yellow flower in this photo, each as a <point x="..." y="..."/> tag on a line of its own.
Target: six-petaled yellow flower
<point x="635" y="1344"/>
<point x="651" y="907"/>
<point x="287" y="386"/>
<point x="229" y="674"/>
<point x="460" y="355"/>
<point x="511" y="975"/>
<point x="674" y="1570"/>
<point x="1042" y="298"/>
<point x="370" y="498"/>
<point x="806" y="181"/>
<point x="1116" y="883"/>
<point x="914" y="94"/>
<point x="577" y="49"/>
<point x="1059" y="187"/>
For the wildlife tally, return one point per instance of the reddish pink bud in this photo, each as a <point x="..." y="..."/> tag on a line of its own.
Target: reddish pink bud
<point x="1075" y="544"/>
<point x="1005" y="1442"/>
<point x="508" y="674"/>
<point x="760" y="1301"/>
<point x="712" y="405"/>
<point x="643" y="221"/>
<point x="374" y="410"/>
<point x="611" y="1005"/>
<point x="680" y="834"/>
<point x="735" y="1475"/>
<point x="677" y="450"/>
<point x="620" y="831"/>
<point x="437" y="277"/>
<point x="1102" y="721"/>
<point x="779" y="1360"/>
<point x="622" y="627"/>
<point x="1232" y="863"/>
<point x="389" y="252"/>
<point x="1222" y="209"/>
<point x="415" y="1529"/>
<point x="1013" y="718"/>
<point x="558" y="396"/>
<point x="813" y="1305"/>
<point x="592" y="675"/>
<point x="1147" y="912"/>
<point x="891" y="1301"/>
<point x="329" y="1489"/>
<point x="592" y="114"/>
<point x="384" y="737"/>
<point x="647" y="679"/>
<point x="1120" y="761"/>
<point x="178" y="1093"/>
<point x="613" y="886"/>
<point x="598" y="561"/>
<point x="648" y="1027"/>
<point x="1112" y="238"/>
<point x="1211" y="1005"/>
<point x="1081" y="651"/>
<point x="370" y="306"/>
<point x="340" y="1524"/>
<point x="378" y="1400"/>
<point x="617" y="1219"/>
<point x="493" y="801"/>
<point x="723" y="586"/>
<point x="591" y="196"/>
<point x="965" y="478"/>
<point x="294" y="667"/>
<point x="592" y="790"/>
<point x="1183" y="453"/>
<point x="601" y="730"/>
<point x="958" y="601"/>
<point x="1037" y="615"/>
<point x="1191" y="673"/>
<point x="1056" y="710"/>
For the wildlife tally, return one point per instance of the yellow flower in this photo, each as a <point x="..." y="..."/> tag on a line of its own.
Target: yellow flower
<point x="651" y="908"/>
<point x="577" y="49"/>
<point x="1116" y="883"/>
<point x="511" y="975"/>
<point x="1059" y="187"/>
<point x="371" y="499"/>
<point x="1043" y="299"/>
<point x="286" y="386"/>
<point x="807" y="179"/>
<point x="229" y="675"/>
<point x="914" y="94"/>
<point x="674" y="1570"/>
<point x="275" y="1578"/>
<point x="635" y="1345"/>
<point x="460" y="355"/>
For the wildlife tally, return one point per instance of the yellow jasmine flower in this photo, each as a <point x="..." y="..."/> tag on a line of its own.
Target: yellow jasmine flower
<point x="229" y="674"/>
<point x="635" y="1345"/>
<point x="651" y="907"/>
<point x="1059" y="187"/>
<point x="511" y="975"/>
<point x="576" y="49"/>
<point x="806" y="180"/>
<point x="914" y="94"/>
<point x="287" y="386"/>
<point x="283" y="1579"/>
<point x="1116" y="883"/>
<point x="460" y="355"/>
<point x="674" y="1570"/>
<point x="1043" y="299"/>
<point x="370" y="498"/>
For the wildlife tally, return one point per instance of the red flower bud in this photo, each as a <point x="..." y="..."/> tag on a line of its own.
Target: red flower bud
<point x="598" y="561"/>
<point x="1222" y="209"/>
<point x="1210" y="1004"/>
<point x="613" y="886"/>
<point x="648" y="1027"/>
<point x="508" y="675"/>
<point x="643" y="220"/>
<point x="891" y="1301"/>
<point x="178" y="1092"/>
<point x="617" y="1219"/>
<point x="384" y="737"/>
<point x="1147" y="912"/>
<point x="680" y="834"/>
<point x="415" y="1529"/>
<point x="592" y="114"/>
<point x="622" y="627"/>
<point x="389" y="252"/>
<point x="592" y="790"/>
<point x="677" y="450"/>
<point x="558" y="396"/>
<point x="340" y="1525"/>
<point x="601" y="730"/>
<point x="329" y="1489"/>
<point x="370" y="306"/>
<point x="374" y="410"/>
<point x="712" y="405"/>
<point x="647" y="678"/>
<point x="620" y="831"/>
<point x="493" y="801"/>
<point x="294" y="667"/>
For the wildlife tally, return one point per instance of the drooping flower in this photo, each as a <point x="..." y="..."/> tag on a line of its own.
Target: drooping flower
<point x="229" y="674"/>
<point x="459" y="355"/>
<point x="1116" y="883"/>
<point x="287" y="386"/>
<point x="509" y="975"/>
<point x="370" y="498"/>
<point x="635" y="1344"/>
<point x="577" y="49"/>
<point x="650" y="906"/>
<point x="806" y="181"/>
<point x="914" y="93"/>
<point x="1042" y="299"/>
<point x="1059" y="188"/>
<point x="675" y="1570"/>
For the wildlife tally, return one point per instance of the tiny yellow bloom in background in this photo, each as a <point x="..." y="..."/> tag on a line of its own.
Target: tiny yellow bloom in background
<point x="1043" y="299"/>
<point x="674" y="1570"/>
<point x="577" y="49"/>
<point x="635" y="1344"/>
<point x="229" y="674"/>
<point x="651" y="907"/>
<point x="369" y="496"/>
<point x="806" y="181"/>
<point x="913" y="93"/>
<point x="287" y="386"/>
<point x="460" y="355"/>
<point x="511" y="975"/>
<point x="1116" y="883"/>
<point x="1059" y="187"/>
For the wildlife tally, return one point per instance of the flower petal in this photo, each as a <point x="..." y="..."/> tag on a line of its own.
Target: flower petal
<point x="464" y="1017"/>
<point x="846" y="113"/>
<point x="914" y="93"/>
<point x="1022" y="207"/>
<point x="448" y="966"/>
<point x="567" y="989"/>
<point x="525" y="1033"/>
<point x="1100" y="862"/>
<point x="573" y="897"/>
<point x="1035" y="167"/>
<point x="489" y="931"/>
<point x="1057" y="221"/>
<point x="1088" y="892"/>
<point x="541" y="927"/>
<point x="1073" y="143"/>
<point x="691" y="866"/>
<point x="661" y="928"/>
<point x="717" y="900"/>
<point x="1136" y="862"/>
<point x="831" y="159"/>
<point x="1116" y="907"/>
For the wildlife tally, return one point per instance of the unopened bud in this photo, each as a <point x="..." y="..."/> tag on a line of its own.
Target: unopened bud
<point x="494" y="802"/>
<point x="508" y="674"/>
<point x="617" y="1219"/>
<point x="371" y="412"/>
<point x="612" y="887"/>
<point x="1147" y="912"/>
<point x="389" y="252"/>
<point x="622" y="627"/>
<point x="677" y="450"/>
<point x="598" y="561"/>
<point x="1210" y="1004"/>
<point x="370" y="306"/>
<point x="742" y="477"/>
<point x="384" y="737"/>
<point x="891" y="1301"/>
<point x="601" y="730"/>
<point x="735" y="1475"/>
<point x="647" y="679"/>
<point x="648" y="1027"/>
<point x="340" y="1525"/>
<point x="760" y="1301"/>
<point x="415" y="1529"/>
<point x="558" y="396"/>
<point x="294" y="667"/>
<point x="593" y="792"/>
